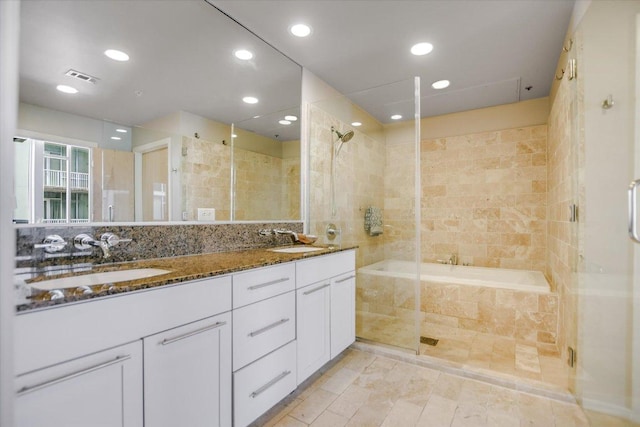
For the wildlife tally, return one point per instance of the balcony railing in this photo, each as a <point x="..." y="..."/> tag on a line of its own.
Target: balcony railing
<point x="63" y="221"/>
<point x="58" y="179"/>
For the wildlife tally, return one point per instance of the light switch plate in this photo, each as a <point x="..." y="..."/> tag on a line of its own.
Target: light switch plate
<point x="206" y="214"/>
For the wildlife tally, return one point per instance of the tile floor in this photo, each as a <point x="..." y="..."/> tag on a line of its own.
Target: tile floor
<point x="501" y="354"/>
<point x="364" y="389"/>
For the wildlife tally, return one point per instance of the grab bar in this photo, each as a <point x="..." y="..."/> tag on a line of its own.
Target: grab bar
<point x="633" y="218"/>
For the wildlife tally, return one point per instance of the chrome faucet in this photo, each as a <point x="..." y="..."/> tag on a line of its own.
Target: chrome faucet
<point x="453" y="260"/>
<point x="84" y="241"/>
<point x="292" y="234"/>
<point x="107" y="240"/>
<point x="279" y="231"/>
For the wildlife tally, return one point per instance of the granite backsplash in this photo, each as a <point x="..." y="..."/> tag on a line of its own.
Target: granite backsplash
<point x="147" y="241"/>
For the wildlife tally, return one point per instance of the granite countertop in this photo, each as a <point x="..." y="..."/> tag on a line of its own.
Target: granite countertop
<point x="182" y="269"/>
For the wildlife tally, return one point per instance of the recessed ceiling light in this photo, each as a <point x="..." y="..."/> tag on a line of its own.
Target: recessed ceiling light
<point x="121" y="130"/>
<point x="66" y="89"/>
<point x="233" y="135"/>
<point x="440" y="84"/>
<point x="396" y="117"/>
<point x="255" y="117"/>
<point x="116" y="55"/>
<point x="284" y="122"/>
<point x="250" y="99"/>
<point x="300" y="30"/>
<point x="291" y="118"/>
<point x="117" y="138"/>
<point x="420" y="49"/>
<point x="243" y="54"/>
<point x="356" y="124"/>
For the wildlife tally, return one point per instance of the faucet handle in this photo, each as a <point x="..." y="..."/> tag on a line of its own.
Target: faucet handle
<point x="111" y="239"/>
<point x="83" y="242"/>
<point x="52" y="243"/>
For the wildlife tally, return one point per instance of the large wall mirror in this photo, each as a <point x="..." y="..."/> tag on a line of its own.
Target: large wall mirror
<point x="162" y="136"/>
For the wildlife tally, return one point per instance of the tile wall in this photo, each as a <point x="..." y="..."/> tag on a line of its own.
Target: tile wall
<point x="206" y="177"/>
<point x="484" y="198"/>
<point x="266" y="188"/>
<point x="565" y="152"/>
<point x="360" y="178"/>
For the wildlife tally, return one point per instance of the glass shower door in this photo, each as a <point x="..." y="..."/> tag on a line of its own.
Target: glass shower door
<point x="607" y="366"/>
<point x="364" y="186"/>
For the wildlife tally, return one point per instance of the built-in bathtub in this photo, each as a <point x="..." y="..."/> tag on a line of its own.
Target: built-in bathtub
<point x="520" y="280"/>
<point x="507" y="302"/>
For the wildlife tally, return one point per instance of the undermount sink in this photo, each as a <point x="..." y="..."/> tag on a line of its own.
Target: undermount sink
<point x="98" y="278"/>
<point x="297" y="249"/>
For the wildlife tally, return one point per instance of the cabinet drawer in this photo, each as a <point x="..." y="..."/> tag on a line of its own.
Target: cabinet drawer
<point x="259" y="386"/>
<point x="324" y="267"/>
<point x="262" y="327"/>
<point x="256" y="285"/>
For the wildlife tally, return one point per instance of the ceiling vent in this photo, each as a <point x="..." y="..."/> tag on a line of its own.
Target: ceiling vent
<point x="19" y="139"/>
<point x="81" y="76"/>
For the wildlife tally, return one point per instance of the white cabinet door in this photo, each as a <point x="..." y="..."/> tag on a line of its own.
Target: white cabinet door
<point x="313" y="328"/>
<point x="343" y="312"/>
<point x="187" y="375"/>
<point x="102" y="389"/>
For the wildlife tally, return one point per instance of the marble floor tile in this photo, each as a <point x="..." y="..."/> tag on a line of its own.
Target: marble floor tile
<point x="350" y="401"/>
<point x="438" y="412"/>
<point x="311" y="407"/>
<point x="330" y="419"/>
<point x="402" y="414"/>
<point x="391" y="393"/>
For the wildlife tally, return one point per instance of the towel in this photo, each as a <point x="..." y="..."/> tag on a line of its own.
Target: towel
<point x="373" y="221"/>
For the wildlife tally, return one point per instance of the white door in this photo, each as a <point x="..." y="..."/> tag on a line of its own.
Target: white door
<point x="100" y="390"/>
<point x="187" y="375"/>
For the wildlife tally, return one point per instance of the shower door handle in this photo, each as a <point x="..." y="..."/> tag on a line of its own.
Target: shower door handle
<point x="633" y="217"/>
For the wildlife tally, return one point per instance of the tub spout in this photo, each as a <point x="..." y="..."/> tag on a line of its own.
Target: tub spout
<point x="453" y="260"/>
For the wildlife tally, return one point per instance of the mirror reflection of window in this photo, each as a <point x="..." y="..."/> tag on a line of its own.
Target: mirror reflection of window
<point x="55" y="188"/>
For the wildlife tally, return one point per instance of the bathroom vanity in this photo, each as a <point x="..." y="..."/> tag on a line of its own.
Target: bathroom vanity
<point x="218" y="350"/>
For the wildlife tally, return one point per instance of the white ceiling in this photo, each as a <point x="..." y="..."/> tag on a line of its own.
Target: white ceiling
<point x="491" y="51"/>
<point x="181" y="60"/>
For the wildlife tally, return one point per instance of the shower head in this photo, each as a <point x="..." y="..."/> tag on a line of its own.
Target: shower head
<point x="343" y="137"/>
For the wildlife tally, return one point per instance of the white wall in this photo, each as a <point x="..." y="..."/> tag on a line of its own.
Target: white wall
<point x="9" y="37"/>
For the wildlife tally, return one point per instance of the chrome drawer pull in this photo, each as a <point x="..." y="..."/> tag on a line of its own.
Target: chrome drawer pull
<point x="269" y="384"/>
<point x="266" y="328"/>
<point x="316" y="289"/>
<point x="345" y="279"/>
<point x="28" y="389"/>
<point x="262" y="285"/>
<point x="192" y="333"/>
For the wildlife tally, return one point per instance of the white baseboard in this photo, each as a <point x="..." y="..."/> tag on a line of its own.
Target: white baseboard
<point x="609" y="409"/>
